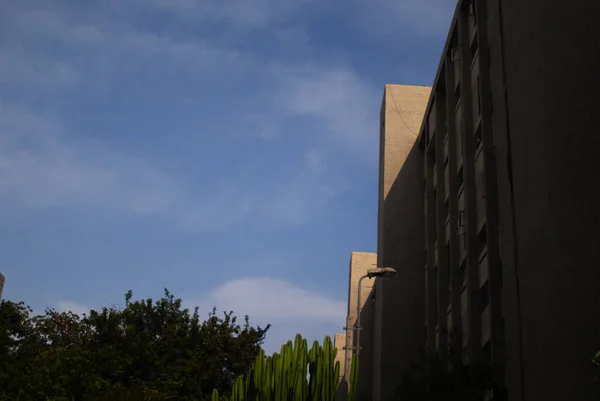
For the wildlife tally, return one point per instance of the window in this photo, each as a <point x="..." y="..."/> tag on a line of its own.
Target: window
<point x="478" y="96"/>
<point x="449" y="273"/>
<point x="455" y="57"/>
<point x="472" y="13"/>
<point x="446" y="150"/>
<point x="478" y="139"/>
<point x="486" y="352"/>
<point x="482" y="238"/>
<point x="436" y="281"/>
<point x="484" y="296"/>
<point x="463" y="272"/>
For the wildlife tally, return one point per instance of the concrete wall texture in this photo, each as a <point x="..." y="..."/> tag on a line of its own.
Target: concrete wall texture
<point x="360" y="262"/>
<point x="488" y="207"/>
<point x="399" y="304"/>
<point x="340" y="344"/>
<point x="551" y="100"/>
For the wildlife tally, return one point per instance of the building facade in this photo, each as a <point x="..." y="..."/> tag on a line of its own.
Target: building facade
<point x="393" y="307"/>
<point x="488" y="207"/>
<point x="400" y="301"/>
<point x="360" y="263"/>
<point x="510" y="251"/>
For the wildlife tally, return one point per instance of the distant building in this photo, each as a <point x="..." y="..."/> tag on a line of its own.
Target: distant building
<point x="392" y="311"/>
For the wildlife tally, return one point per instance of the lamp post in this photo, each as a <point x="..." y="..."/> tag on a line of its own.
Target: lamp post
<point x="379" y="272"/>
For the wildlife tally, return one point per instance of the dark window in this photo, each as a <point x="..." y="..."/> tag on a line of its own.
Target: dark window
<point x="486" y="352"/>
<point x="482" y="238"/>
<point x="478" y="98"/>
<point x="484" y="296"/>
<point x="478" y="138"/>
<point x="473" y="13"/>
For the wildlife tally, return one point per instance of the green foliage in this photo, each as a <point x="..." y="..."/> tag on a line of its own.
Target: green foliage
<point x="353" y="378"/>
<point x="596" y="362"/>
<point x="431" y="381"/>
<point x="143" y="351"/>
<point x="283" y="376"/>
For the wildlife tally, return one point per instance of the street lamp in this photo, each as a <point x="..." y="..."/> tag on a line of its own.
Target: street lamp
<point x="384" y="272"/>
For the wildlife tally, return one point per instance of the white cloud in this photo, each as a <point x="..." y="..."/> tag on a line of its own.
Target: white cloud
<point x="340" y="99"/>
<point x="289" y="308"/>
<point x="42" y="164"/>
<point x="273" y="299"/>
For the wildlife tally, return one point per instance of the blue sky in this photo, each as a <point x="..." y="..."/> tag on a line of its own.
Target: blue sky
<point x="226" y="150"/>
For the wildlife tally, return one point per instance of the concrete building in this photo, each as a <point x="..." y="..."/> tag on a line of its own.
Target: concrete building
<point x="399" y="302"/>
<point x="360" y="262"/>
<point x="392" y="312"/>
<point x="510" y="247"/>
<point x="488" y="207"/>
<point x="339" y="343"/>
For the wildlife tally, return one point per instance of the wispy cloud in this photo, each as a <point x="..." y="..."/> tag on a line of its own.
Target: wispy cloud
<point x="288" y="308"/>
<point x="339" y="98"/>
<point x="274" y="299"/>
<point x="40" y="167"/>
<point x="99" y="51"/>
<point x="240" y="14"/>
<point x="423" y="18"/>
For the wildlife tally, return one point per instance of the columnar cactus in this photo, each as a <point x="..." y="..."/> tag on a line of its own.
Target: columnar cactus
<point x="283" y="376"/>
<point x="353" y="378"/>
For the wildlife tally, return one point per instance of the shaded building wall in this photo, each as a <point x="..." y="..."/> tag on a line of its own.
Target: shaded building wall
<point x="463" y="271"/>
<point x="520" y="89"/>
<point x="399" y="301"/>
<point x="360" y="262"/>
<point x="340" y="345"/>
<point x="364" y="388"/>
<point x="551" y="65"/>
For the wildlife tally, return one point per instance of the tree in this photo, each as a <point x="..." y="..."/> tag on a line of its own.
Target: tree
<point x="154" y="350"/>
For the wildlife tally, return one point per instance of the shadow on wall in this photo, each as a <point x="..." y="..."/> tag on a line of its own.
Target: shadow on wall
<point x="364" y="389"/>
<point x="402" y="298"/>
<point x="341" y="393"/>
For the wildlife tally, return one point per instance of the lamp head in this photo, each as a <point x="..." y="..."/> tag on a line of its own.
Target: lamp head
<point x="381" y="272"/>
